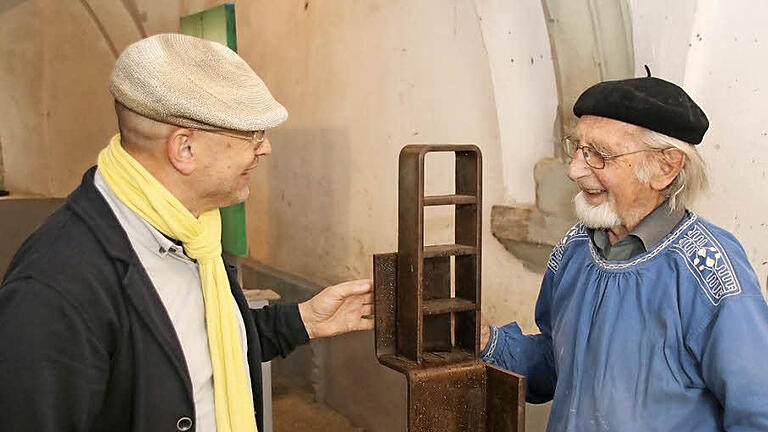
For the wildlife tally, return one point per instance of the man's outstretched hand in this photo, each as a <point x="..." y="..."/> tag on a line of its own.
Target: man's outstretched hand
<point x="485" y="332"/>
<point x="339" y="309"/>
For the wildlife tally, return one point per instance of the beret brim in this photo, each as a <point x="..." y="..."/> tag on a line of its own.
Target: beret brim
<point x="650" y="102"/>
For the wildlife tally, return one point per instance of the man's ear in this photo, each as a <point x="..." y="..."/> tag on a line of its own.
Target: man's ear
<point x="180" y="152"/>
<point x="669" y="161"/>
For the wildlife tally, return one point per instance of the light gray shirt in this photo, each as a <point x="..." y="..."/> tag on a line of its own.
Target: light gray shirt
<point x="654" y="227"/>
<point x="176" y="278"/>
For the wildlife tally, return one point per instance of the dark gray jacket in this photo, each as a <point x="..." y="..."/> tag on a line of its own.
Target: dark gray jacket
<point x="85" y="342"/>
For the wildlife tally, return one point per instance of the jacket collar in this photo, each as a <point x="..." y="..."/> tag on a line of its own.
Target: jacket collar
<point x="87" y="202"/>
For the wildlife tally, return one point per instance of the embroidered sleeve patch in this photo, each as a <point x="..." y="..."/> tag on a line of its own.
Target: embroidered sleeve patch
<point x="576" y="232"/>
<point x="707" y="261"/>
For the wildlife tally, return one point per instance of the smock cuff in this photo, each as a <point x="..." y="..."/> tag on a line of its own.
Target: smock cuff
<point x="490" y="347"/>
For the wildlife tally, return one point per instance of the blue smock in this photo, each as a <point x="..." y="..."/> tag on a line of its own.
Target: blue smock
<point x="673" y="339"/>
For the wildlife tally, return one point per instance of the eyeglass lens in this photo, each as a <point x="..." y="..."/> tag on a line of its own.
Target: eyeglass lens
<point x="591" y="156"/>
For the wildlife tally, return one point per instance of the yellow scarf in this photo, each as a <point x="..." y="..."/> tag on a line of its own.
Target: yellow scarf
<point x="201" y="237"/>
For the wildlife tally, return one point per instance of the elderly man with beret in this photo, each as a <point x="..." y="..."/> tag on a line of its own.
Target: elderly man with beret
<point x="118" y="314"/>
<point x="650" y="317"/>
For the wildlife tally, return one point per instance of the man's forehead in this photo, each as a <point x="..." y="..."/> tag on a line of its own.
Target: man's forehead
<point x="605" y="131"/>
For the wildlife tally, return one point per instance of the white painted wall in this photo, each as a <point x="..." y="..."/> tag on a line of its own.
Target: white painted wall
<point x="661" y="34"/>
<point x="524" y="89"/>
<point x="716" y="51"/>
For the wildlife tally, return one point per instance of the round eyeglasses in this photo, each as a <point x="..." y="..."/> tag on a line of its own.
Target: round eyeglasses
<point x="592" y="156"/>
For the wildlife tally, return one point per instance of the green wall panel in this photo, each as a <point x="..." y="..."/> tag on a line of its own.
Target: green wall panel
<point x="218" y="24"/>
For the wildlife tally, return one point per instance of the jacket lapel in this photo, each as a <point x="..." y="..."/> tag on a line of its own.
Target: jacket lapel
<point x="87" y="202"/>
<point x="144" y="298"/>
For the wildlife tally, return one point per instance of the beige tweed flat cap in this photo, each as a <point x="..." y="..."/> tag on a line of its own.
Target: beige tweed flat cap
<point x="191" y="82"/>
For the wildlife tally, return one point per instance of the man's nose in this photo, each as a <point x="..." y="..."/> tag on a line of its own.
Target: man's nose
<point x="578" y="167"/>
<point x="264" y="148"/>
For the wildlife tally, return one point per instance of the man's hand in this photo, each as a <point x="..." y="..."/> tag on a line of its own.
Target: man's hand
<point x="485" y="332"/>
<point x="339" y="309"/>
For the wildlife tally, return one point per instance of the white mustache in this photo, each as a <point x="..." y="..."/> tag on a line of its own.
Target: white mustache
<point x="601" y="216"/>
<point x="587" y="187"/>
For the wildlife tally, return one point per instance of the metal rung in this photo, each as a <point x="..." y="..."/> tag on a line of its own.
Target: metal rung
<point x="454" y="356"/>
<point x="442" y="306"/>
<point x="448" y="250"/>
<point x="437" y="200"/>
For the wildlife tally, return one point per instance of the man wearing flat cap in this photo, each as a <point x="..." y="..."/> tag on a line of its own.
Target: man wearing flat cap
<point x="118" y="313"/>
<point x="650" y="317"/>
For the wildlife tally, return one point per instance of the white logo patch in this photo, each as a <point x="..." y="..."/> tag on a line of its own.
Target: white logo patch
<point x="708" y="263"/>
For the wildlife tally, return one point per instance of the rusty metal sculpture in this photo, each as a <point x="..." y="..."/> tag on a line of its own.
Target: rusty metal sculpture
<point x="425" y="332"/>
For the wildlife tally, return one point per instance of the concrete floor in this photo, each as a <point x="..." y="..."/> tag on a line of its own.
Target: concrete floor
<point x="294" y="409"/>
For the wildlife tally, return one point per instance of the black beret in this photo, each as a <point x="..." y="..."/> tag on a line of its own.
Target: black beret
<point x="649" y="102"/>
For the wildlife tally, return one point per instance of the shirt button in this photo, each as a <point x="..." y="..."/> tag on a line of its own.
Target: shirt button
<point x="184" y="424"/>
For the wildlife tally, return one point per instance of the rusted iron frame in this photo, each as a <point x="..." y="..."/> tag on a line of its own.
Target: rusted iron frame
<point x="417" y="285"/>
<point x="442" y="389"/>
<point x="449" y="388"/>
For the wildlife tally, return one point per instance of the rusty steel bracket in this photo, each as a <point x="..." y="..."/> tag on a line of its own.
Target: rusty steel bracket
<point x="429" y="331"/>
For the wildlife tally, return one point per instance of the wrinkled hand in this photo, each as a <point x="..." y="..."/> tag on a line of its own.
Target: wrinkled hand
<point x="485" y="332"/>
<point x="339" y="309"/>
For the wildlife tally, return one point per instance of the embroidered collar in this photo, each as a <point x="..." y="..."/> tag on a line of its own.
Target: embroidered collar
<point x="618" y="265"/>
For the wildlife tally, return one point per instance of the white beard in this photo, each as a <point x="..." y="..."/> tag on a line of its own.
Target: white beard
<point x="601" y="216"/>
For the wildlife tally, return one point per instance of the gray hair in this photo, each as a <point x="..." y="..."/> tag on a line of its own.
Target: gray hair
<point x="689" y="182"/>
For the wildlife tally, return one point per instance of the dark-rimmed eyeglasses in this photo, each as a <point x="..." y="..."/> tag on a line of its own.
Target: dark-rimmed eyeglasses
<point x="594" y="158"/>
